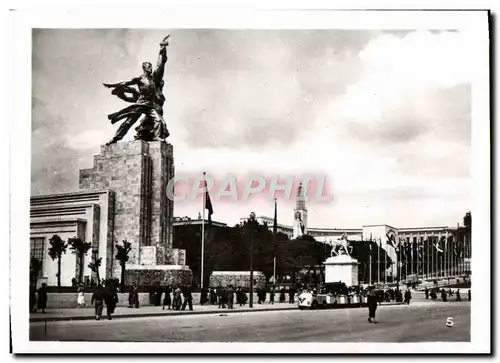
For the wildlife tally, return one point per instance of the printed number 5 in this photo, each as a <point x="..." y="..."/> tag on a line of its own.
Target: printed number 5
<point x="450" y="322"/>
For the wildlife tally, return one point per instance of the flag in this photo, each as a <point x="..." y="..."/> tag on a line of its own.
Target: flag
<point x="208" y="205"/>
<point x="402" y="245"/>
<point x="391" y="239"/>
<point x="437" y="246"/>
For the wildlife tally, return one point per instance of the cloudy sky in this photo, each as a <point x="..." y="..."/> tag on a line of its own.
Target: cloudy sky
<point x="384" y="115"/>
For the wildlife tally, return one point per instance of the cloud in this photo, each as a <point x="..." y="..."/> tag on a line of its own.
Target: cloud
<point x="385" y="115"/>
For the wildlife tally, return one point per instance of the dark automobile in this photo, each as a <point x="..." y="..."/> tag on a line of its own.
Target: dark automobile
<point x="337" y="288"/>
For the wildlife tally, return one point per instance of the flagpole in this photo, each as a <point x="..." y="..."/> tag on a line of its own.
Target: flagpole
<point x="275" y="230"/>
<point x="378" y="264"/>
<point x="464" y="253"/>
<point x="203" y="226"/>
<point x="411" y="250"/>
<point x="445" y="256"/>
<point x="400" y="262"/>
<point x="427" y="257"/>
<point x="385" y="263"/>
<point x="406" y="261"/>
<point x="370" y="266"/>
<point x="417" y="267"/>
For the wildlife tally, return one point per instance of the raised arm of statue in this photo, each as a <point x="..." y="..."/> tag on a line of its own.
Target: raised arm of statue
<point x="160" y="65"/>
<point x="132" y="82"/>
<point x="162" y="60"/>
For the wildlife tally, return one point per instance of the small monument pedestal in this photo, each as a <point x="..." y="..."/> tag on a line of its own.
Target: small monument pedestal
<point x="341" y="268"/>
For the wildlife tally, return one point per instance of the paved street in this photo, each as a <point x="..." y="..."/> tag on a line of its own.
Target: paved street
<point x="420" y="322"/>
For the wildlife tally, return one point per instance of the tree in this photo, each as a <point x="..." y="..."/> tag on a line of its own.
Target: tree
<point x="80" y="249"/>
<point x="35" y="268"/>
<point x="122" y="252"/>
<point x="95" y="264"/>
<point x="56" y="250"/>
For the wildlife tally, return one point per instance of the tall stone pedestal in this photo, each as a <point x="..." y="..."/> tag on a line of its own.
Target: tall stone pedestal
<point x="138" y="173"/>
<point x="341" y="268"/>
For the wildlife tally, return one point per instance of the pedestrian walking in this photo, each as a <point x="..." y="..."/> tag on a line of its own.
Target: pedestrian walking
<point x="111" y="299"/>
<point x="282" y="295"/>
<point x="135" y="297"/>
<point x="213" y="296"/>
<point x="98" y="298"/>
<point x="131" y="297"/>
<point x="177" y="301"/>
<point x="42" y="298"/>
<point x="426" y="293"/>
<point x="230" y="297"/>
<point x="444" y="295"/>
<point x="372" y="305"/>
<point x="32" y="299"/>
<point x="188" y="298"/>
<point x="291" y="295"/>
<point x="221" y="296"/>
<point x="157" y="295"/>
<point x="204" y="296"/>
<point x="408" y="296"/>
<point x="80" y="300"/>
<point x="167" y="301"/>
<point x="459" y="298"/>
<point x="468" y="293"/>
<point x="271" y="296"/>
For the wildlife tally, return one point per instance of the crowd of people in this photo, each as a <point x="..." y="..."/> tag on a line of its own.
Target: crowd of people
<point x="445" y="294"/>
<point x="177" y="298"/>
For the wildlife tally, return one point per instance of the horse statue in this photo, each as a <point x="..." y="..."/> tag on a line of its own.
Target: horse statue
<point x="341" y="246"/>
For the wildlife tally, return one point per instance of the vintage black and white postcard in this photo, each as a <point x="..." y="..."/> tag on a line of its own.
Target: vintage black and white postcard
<point x="216" y="181"/>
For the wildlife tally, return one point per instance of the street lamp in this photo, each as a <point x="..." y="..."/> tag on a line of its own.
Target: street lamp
<point x="251" y="222"/>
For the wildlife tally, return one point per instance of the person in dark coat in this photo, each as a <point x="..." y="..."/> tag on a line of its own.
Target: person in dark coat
<point x="135" y="297"/>
<point x="291" y="295"/>
<point x="213" y="296"/>
<point x="239" y="296"/>
<point x="151" y="295"/>
<point x="230" y="297"/>
<point x="259" y="296"/>
<point x="459" y="298"/>
<point x="426" y="293"/>
<point x="221" y="297"/>
<point x="167" y="301"/>
<point x="188" y="298"/>
<point x="433" y="295"/>
<point x="33" y="299"/>
<point x="271" y="296"/>
<point x="42" y="298"/>
<point x="282" y="296"/>
<point x="111" y="299"/>
<point x="444" y="295"/>
<point x="468" y="293"/>
<point x="98" y="299"/>
<point x="407" y="297"/>
<point x="204" y="296"/>
<point x="131" y="297"/>
<point x="372" y="305"/>
<point x="158" y="294"/>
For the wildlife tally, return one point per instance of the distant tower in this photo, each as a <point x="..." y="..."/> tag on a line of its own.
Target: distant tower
<point x="300" y="213"/>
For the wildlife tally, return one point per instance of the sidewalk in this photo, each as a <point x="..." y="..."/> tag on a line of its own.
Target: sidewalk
<point x="69" y="314"/>
<point x="146" y="311"/>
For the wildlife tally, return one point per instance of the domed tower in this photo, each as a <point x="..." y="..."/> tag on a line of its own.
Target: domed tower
<point x="300" y="213"/>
